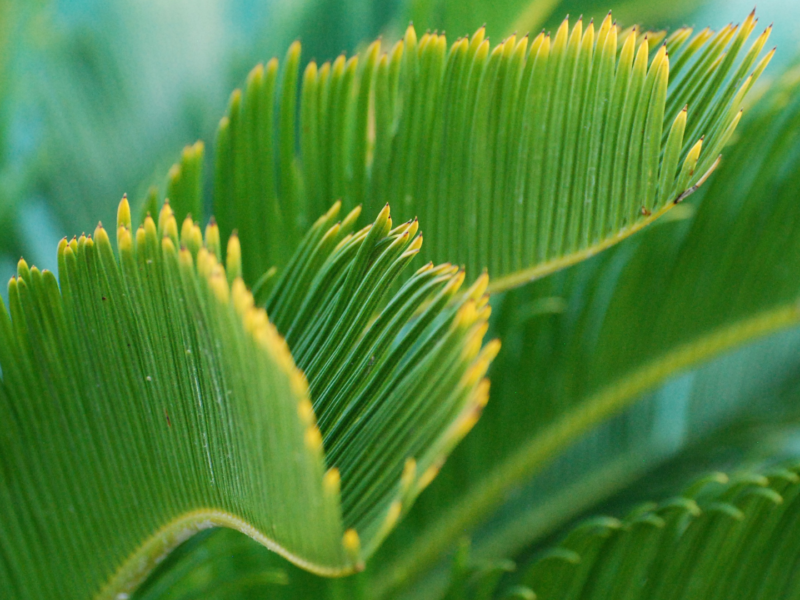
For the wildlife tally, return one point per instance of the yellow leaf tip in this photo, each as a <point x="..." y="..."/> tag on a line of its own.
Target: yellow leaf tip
<point x="351" y="543"/>
<point x="428" y="476"/>
<point x="491" y="350"/>
<point x="332" y="481"/>
<point x="306" y="411"/>
<point x="480" y="286"/>
<point x="409" y="473"/>
<point x="124" y="212"/>
<point x="313" y="438"/>
<point x="217" y="281"/>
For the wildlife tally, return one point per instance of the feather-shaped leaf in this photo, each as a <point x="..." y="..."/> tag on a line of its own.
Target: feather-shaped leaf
<point x="522" y="158"/>
<point x="724" y="538"/>
<point x="144" y="398"/>
<point x="584" y="345"/>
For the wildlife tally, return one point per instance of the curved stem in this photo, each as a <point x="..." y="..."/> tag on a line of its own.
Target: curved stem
<point x="155" y="549"/>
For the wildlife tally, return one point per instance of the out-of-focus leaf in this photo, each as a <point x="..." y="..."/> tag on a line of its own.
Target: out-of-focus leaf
<point x="721" y="539"/>
<point x="117" y="88"/>
<point x="11" y="35"/>
<point x="461" y="18"/>
<point x="749" y="388"/>
<point x="520" y="16"/>
<point x="185" y="183"/>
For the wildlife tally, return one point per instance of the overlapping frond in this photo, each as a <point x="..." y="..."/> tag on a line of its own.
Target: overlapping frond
<point x="145" y="397"/>
<point x="587" y="344"/>
<point x="722" y="539"/>
<point x="522" y="158"/>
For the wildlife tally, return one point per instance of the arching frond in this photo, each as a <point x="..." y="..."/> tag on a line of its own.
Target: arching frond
<point x="522" y="158"/>
<point x="722" y="539"/>
<point x="587" y="344"/>
<point x="145" y="397"/>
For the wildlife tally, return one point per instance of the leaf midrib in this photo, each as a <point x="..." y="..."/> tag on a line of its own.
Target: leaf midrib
<point x="517" y="278"/>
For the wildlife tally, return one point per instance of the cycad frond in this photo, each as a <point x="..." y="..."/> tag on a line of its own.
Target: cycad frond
<point x="521" y="159"/>
<point x="593" y="341"/>
<point x="149" y="398"/>
<point x="722" y="539"/>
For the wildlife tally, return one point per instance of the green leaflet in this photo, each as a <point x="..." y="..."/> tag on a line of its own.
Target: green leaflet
<point x="522" y="159"/>
<point x="581" y="346"/>
<point x="185" y="183"/>
<point x="145" y="398"/>
<point x="722" y="539"/>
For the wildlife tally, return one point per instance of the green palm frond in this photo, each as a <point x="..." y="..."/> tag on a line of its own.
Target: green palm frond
<point x="587" y="344"/>
<point x="148" y="398"/>
<point x="147" y="394"/>
<point x="522" y="158"/>
<point x="724" y="538"/>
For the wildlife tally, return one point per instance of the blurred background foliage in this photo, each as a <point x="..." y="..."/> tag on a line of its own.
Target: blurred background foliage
<point x="98" y="97"/>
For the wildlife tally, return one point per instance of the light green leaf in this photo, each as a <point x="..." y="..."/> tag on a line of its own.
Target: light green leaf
<point x="522" y="159"/>
<point x="584" y="345"/>
<point x="147" y="399"/>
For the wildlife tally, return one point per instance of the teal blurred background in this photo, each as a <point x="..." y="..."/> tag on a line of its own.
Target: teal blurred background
<point x="98" y="97"/>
